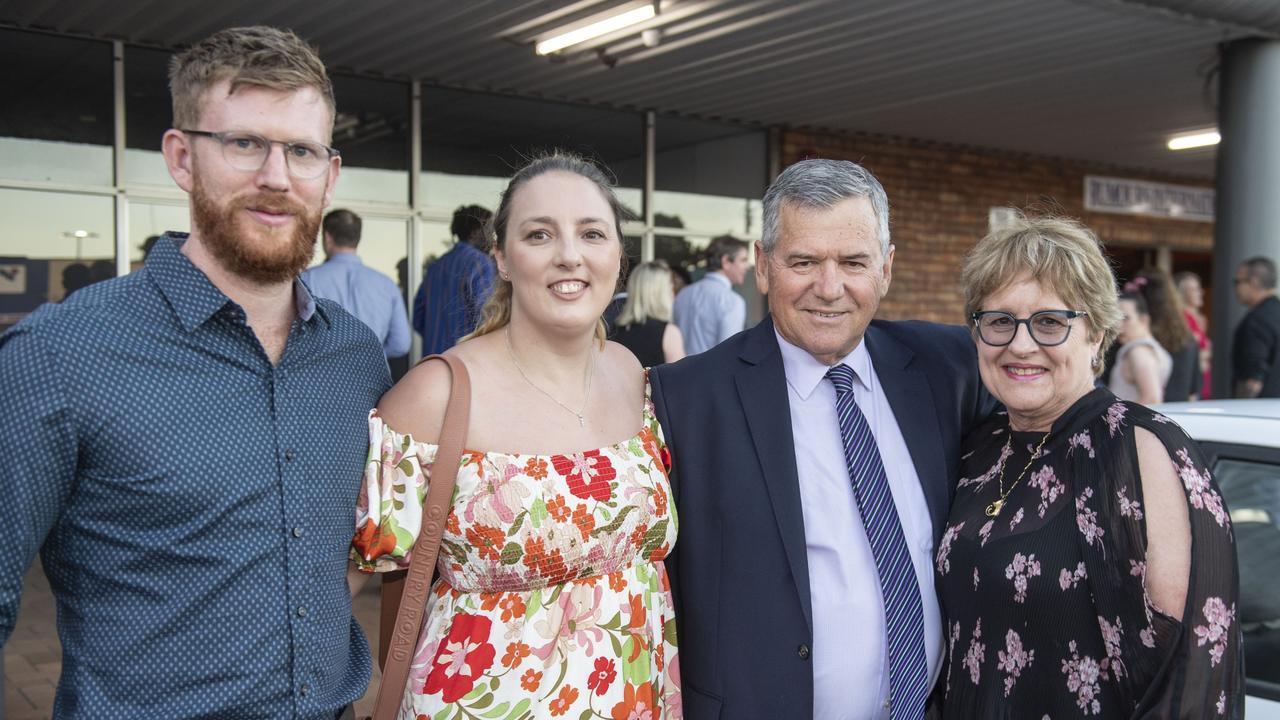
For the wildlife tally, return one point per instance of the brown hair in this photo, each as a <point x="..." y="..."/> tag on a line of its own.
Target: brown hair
<point x="258" y="55"/>
<point x="1060" y="254"/>
<point x="721" y="247"/>
<point x="497" y="309"/>
<point x="1164" y="305"/>
<point x="344" y="227"/>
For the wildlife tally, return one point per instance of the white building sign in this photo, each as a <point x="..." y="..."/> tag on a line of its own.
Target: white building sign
<point x="1138" y="197"/>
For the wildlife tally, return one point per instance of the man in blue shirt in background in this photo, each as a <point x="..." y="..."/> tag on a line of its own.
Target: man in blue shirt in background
<point x="184" y="445"/>
<point x="361" y="291"/>
<point x="709" y="312"/>
<point x="448" y="303"/>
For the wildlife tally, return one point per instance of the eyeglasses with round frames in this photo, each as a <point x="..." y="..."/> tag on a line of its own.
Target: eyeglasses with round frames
<point x="248" y="152"/>
<point x="1047" y="327"/>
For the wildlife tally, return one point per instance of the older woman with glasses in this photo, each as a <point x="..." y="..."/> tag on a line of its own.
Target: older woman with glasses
<point x="1088" y="567"/>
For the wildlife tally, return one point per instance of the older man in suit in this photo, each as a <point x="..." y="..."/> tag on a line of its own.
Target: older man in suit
<point x="814" y="457"/>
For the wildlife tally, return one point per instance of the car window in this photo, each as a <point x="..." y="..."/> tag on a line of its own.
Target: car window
<point x="1251" y="488"/>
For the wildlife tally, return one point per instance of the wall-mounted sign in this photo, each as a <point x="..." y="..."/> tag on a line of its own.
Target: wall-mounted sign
<point x="13" y="279"/>
<point x="1139" y="197"/>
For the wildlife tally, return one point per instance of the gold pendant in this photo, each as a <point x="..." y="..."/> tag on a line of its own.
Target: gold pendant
<point x="994" y="508"/>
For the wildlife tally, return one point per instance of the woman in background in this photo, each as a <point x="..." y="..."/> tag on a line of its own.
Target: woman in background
<point x="644" y="326"/>
<point x="1142" y="365"/>
<point x="1169" y="328"/>
<point x="1192" y="293"/>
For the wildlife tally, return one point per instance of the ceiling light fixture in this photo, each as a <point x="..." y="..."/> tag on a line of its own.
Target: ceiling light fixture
<point x="1198" y="139"/>
<point x="605" y="26"/>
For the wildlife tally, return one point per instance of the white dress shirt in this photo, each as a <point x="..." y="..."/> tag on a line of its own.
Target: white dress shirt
<point x="850" y="662"/>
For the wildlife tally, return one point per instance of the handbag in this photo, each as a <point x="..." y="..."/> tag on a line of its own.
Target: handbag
<point x="405" y="598"/>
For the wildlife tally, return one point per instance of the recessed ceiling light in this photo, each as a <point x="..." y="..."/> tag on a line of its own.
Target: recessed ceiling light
<point x="605" y="26"/>
<point x="1198" y="139"/>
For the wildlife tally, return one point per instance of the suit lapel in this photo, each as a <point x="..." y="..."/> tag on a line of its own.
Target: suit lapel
<point x="762" y="389"/>
<point x="909" y="394"/>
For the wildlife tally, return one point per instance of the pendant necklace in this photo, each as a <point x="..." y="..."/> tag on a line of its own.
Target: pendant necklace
<point x="582" y="421"/>
<point x="997" y="505"/>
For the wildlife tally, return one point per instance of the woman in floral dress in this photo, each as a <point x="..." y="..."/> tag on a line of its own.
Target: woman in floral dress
<point x="1088" y="565"/>
<point x="553" y="599"/>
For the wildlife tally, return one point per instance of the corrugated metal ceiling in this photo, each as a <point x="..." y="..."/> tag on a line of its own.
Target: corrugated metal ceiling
<point x="1103" y="80"/>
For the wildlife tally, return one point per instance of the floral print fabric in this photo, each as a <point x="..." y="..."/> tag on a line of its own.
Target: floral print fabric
<point x="1046" y="603"/>
<point x="552" y="598"/>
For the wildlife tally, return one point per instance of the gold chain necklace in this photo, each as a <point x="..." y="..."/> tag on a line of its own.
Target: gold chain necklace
<point x="996" y="506"/>
<point x="582" y="421"/>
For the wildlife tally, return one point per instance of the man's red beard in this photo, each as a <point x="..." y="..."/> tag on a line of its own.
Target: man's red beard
<point x="251" y="250"/>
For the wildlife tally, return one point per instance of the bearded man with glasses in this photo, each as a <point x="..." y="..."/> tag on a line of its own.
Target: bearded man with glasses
<point x="185" y="443"/>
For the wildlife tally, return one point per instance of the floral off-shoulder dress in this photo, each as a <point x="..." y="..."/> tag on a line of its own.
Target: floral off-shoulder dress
<point x="1047" y="612"/>
<point x="552" y="598"/>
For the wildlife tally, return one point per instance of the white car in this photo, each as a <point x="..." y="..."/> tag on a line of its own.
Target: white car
<point x="1241" y="442"/>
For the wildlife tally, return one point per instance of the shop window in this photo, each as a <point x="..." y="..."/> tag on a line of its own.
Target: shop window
<point x="56" y="118"/>
<point x="55" y="244"/>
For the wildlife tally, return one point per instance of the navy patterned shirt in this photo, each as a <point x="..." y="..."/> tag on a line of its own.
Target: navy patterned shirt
<point x="192" y="503"/>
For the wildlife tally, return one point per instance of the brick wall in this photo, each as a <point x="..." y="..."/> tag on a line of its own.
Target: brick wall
<point x="940" y="196"/>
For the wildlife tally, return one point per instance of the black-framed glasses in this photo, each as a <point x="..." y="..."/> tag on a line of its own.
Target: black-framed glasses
<point x="1047" y="327"/>
<point x="249" y="152"/>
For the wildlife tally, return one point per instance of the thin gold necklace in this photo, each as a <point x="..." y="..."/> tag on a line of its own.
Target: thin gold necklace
<point x="582" y="421"/>
<point x="996" y="506"/>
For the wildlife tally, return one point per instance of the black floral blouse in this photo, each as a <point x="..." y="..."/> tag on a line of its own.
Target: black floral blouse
<point x="1047" y="614"/>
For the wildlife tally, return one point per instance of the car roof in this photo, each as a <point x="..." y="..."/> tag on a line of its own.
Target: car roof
<point x="1242" y="422"/>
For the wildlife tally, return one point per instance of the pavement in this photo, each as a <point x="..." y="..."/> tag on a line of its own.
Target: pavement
<point x="33" y="659"/>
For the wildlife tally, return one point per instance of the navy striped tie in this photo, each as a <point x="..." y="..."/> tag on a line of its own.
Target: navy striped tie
<point x="903" y="613"/>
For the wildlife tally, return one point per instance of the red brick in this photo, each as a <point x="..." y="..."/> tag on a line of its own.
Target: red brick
<point x="940" y="196"/>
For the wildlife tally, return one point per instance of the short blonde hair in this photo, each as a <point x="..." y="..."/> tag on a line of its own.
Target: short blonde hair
<point x="258" y="55"/>
<point x="649" y="294"/>
<point x="1059" y="253"/>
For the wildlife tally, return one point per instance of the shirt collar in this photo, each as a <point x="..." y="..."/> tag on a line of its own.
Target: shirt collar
<point x="306" y="304"/>
<point x="804" y="372"/>
<point x="720" y="276"/>
<point x="345" y="257"/>
<point x="190" y="293"/>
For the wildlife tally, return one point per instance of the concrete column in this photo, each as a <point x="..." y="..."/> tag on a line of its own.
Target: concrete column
<point x="1247" y="212"/>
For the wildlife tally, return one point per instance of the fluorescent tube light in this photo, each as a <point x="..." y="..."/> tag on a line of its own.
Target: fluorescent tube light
<point x="1195" y="140"/>
<point x="594" y="30"/>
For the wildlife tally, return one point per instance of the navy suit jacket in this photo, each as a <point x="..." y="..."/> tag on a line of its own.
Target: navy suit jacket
<point x="739" y="570"/>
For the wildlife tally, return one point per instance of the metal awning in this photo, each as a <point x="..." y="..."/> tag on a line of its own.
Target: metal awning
<point x="1103" y="80"/>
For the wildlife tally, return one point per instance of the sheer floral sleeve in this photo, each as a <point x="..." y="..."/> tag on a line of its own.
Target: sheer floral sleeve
<point x="389" y="509"/>
<point x="1164" y="667"/>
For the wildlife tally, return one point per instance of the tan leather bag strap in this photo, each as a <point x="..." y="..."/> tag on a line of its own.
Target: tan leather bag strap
<point x="413" y="603"/>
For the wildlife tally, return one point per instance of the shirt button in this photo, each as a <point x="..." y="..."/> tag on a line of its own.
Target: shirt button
<point x="803" y="652"/>
<point x="288" y="455"/>
<point x="304" y="690"/>
<point x="302" y="611"/>
<point x="297" y="532"/>
<point x="887" y="704"/>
